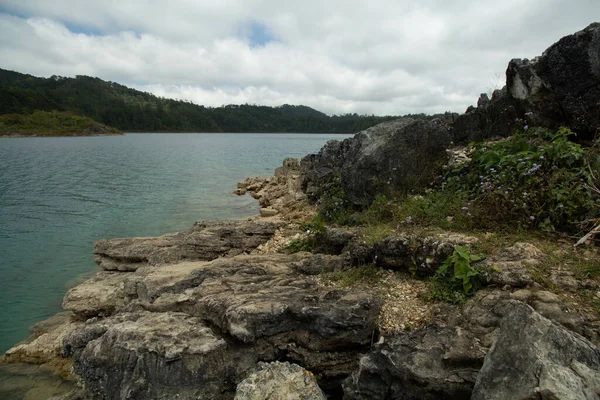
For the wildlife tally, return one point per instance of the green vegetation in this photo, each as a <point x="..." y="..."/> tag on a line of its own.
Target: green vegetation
<point x="314" y="229"/>
<point x="52" y="123"/>
<point x="534" y="180"/>
<point x="131" y="110"/>
<point x="537" y="186"/>
<point x="368" y="274"/>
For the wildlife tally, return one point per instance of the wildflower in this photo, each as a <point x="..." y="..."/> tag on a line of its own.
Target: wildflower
<point x="468" y="214"/>
<point x="465" y="208"/>
<point x="531" y="217"/>
<point x="526" y="127"/>
<point x="409" y="219"/>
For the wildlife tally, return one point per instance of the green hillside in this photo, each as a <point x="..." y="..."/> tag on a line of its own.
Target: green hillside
<point x="132" y="110"/>
<point x="52" y="123"/>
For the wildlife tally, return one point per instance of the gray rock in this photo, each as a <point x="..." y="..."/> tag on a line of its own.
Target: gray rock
<point x="420" y="254"/>
<point x="535" y="358"/>
<point x="494" y="118"/>
<point x="431" y="363"/>
<point x="395" y="155"/>
<point x="545" y="86"/>
<point x="204" y="241"/>
<point x="239" y="309"/>
<point x="542" y="92"/>
<point x="279" y="381"/>
<point x="268" y="212"/>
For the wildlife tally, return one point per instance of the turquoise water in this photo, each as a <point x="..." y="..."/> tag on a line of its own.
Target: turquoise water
<point x="59" y="195"/>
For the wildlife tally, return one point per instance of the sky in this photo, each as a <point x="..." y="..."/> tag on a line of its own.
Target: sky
<point x="381" y="57"/>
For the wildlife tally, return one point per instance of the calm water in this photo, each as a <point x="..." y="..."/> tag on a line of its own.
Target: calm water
<point x="59" y="195"/>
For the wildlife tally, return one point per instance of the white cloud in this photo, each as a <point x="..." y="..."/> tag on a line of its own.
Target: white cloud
<point x="377" y="57"/>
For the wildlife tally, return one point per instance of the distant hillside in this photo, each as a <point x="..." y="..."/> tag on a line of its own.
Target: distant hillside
<point x="52" y="123"/>
<point x="132" y="110"/>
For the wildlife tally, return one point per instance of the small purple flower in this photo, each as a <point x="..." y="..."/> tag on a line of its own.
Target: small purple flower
<point x="409" y="219"/>
<point x="526" y="127"/>
<point x="468" y="214"/>
<point x="465" y="208"/>
<point x="532" y="218"/>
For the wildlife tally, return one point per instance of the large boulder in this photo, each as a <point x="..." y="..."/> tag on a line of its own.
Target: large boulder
<point x="562" y="87"/>
<point x="279" y="381"/>
<point x="392" y="156"/>
<point x="559" y="88"/>
<point x="535" y="358"/>
<point x="429" y="364"/>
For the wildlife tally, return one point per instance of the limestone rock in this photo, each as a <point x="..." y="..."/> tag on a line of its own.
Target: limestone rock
<point x="431" y="363"/>
<point x="542" y="92"/>
<point x="281" y="193"/>
<point x="423" y="254"/>
<point x="545" y="88"/>
<point x="268" y="212"/>
<point x="396" y="155"/>
<point x="204" y="241"/>
<point x="240" y="309"/>
<point x="100" y="295"/>
<point x="535" y="358"/>
<point x="279" y="381"/>
<point x="45" y="345"/>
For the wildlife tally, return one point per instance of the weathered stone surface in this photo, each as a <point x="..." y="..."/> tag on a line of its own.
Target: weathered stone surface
<point x="421" y="254"/>
<point x="100" y="295"/>
<point x="204" y="241"/>
<point x="280" y="193"/>
<point x="431" y="363"/>
<point x="257" y="307"/>
<point x="545" y="86"/>
<point x="495" y="118"/>
<point x="394" y="155"/>
<point x="144" y="355"/>
<point x="279" y="381"/>
<point x="45" y="344"/>
<point x="542" y="92"/>
<point x="535" y="358"/>
<point x="333" y="240"/>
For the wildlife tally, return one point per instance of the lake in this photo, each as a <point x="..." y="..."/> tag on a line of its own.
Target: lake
<point x="59" y="195"/>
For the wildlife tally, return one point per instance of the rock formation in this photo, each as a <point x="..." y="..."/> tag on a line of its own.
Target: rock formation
<point x="279" y="381"/>
<point x="559" y="88"/>
<point x="390" y="156"/>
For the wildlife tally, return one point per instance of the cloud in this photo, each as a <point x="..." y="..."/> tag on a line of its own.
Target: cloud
<point x="377" y="57"/>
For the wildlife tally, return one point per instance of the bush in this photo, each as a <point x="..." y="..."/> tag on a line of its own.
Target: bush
<point x="534" y="179"/>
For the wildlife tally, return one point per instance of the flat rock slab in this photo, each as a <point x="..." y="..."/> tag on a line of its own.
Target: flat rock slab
<point x="204" y="241"/>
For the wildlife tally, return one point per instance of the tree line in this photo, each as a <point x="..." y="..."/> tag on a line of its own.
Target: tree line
<point x="132" y="110"/>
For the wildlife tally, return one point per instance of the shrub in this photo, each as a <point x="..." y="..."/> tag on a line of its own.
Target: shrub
<point x="533" y="179"/>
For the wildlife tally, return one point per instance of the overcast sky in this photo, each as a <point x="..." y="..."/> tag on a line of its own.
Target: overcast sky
<point x="370" y="56"/>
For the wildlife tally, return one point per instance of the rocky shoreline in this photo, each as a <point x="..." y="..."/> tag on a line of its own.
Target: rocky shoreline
<point x="222" y="311"/>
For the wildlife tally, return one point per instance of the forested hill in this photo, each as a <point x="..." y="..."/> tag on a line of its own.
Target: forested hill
<point x="132" y="110"/>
